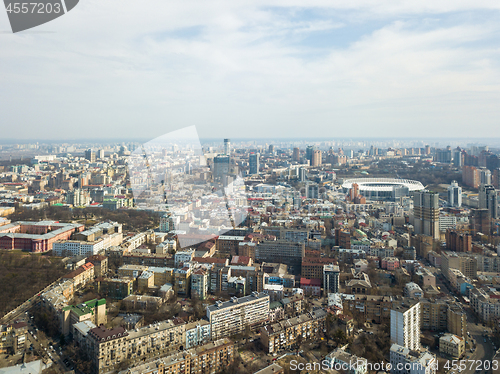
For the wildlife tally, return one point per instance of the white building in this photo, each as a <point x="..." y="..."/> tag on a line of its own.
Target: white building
<point x="197" y="333"/>
<point x="413" y="290"/>
<point x="405" y="324"/>
<point x="183" y="256"/>
<point x="340" y="360"/>
<point x="405" y="361"/>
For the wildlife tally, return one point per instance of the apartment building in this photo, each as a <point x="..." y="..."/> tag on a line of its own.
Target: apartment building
<point x="342" y="359"/>
<point x="82" y="275"/>
<point x="100" y="263"/>
<point x="406" y="361"/>
<point x="413" y="290"/>
<point x="460" y="261"/>
<point x="13" y="337"/>
<point x="285" y="334"/>
<point x="452" y="346"/>
<point x="443" y="315"/>
<point x="486" y="303"/>
<point x="405" y="324"/>
<point x="108" y="347"/>
<point x="114" y="288"/>
<point x="199" y="284"/>
<point x="289" y="253"/>
<point x="370" y="307"/>
<point x="92" y="310"/>
<point x="209" y="358"/>
<point x="197" y="333"/>
<point x="232" y="317"/>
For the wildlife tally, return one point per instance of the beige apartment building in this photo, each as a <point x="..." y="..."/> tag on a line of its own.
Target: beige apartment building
<point x="284" y="334"/>
<point x="452" y="346"/>
<point x="109" y="347"/>
<point x="210" y="358"/>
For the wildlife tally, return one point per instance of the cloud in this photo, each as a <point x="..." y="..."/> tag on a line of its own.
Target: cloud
<point x="254" y="68"/>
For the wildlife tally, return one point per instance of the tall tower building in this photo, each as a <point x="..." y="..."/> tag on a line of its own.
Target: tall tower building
<point x="296" y="154"/>
<point x="271" y="149"/>
<point x="316" y="158"/>
<point x="488" y="199"/>
<point x="227" y="147"/>
<point x="90" y="155"/>
<point x="405" y="324"/>
<point x="455" y="195"/>
<point x="426" y="213"/>
<point x="330" y="279"/>
<point x="253" y="162"/>
<point x="309" y="153"/>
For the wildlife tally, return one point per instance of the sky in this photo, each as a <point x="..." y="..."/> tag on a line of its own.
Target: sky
<point x="275" y="68"/>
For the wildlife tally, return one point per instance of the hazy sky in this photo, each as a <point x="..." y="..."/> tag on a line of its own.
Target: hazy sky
<point x="115" y="68"/>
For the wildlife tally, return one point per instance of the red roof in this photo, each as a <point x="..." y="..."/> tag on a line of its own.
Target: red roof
<point x="310" y="282"/>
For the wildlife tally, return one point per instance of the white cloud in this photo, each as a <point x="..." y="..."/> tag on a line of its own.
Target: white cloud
<point x="132" y="69"/>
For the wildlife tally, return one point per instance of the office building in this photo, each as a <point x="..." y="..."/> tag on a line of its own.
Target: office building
<point x="227" y="147"/>
<point x="488" y="199"/>
<point x="454" y="195"/>
<point x="220" y="167"/>
<point x="232" y="317"/>
<point x="330" y="279"/>
<point x="296" y="154"/>
<point x="90" y="155"/>
<point x="481" y="221"/>
<point x="253" y="163"/>
<point x="405" y="324"/>
<point x="426" y="213"/>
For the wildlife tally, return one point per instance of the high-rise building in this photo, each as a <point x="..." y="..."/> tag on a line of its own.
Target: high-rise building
<point x="271" y="149"/>
<point x="484" y="176"/>
<point x="100" y="154"/>
<point x="460" y="261"/>
<point x="426" y="213"/>
<point x="227" y="147"/>
<point x="455" y="195"/>
<point x="470" y="176"/>
<point x="312" y="191"/>
<point x="330" y="279"/>
<point x="166" y="223"/>
<point x="309" y="153"/>
<point x="316" y="158"/>
<point x="488" y="199"/>
<point x="90" y="155"/>
<point x="481" y="221"/>
<point x="296" y="154"/>
<point x="253" y="161"/>
<point x="302" y="174"/>
<point x="405" y="324"/>
<point x="220" y="167"/>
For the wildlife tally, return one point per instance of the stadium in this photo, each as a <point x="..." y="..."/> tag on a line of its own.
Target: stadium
<point x="383" y="188"/>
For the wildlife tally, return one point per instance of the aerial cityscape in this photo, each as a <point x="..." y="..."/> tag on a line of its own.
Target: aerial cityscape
<point x="184" y="256"/>
<point x="250" y="187"/>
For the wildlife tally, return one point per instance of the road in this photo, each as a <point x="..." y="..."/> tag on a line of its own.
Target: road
<point x="484" y="350"/>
